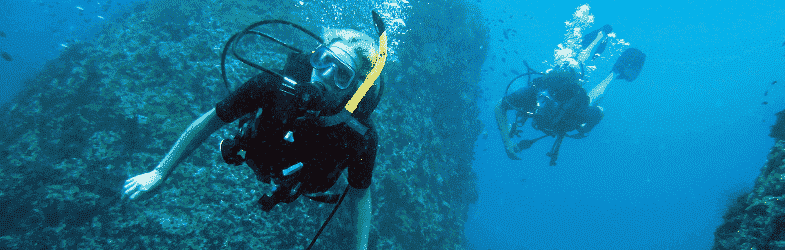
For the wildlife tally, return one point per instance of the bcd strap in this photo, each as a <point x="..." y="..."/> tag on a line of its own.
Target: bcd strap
<point x="343" y="117"/>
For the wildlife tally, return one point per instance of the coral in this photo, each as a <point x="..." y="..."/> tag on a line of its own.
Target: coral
<point x="778" y="129"/>
<point x="756" y="219"/>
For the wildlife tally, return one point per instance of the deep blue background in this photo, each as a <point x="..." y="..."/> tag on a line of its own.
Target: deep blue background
<point x="35" y="30"/>
<point x="674" y="145"/>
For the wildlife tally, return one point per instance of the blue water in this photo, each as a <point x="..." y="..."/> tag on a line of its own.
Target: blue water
<point x="37" y="31"/>
<point x="673" y="147"/>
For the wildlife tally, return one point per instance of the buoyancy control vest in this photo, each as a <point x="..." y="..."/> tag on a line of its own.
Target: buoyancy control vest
<point x="289" y="122"/>
<point x="271" y="131"/>
<point x="298" y="105"/>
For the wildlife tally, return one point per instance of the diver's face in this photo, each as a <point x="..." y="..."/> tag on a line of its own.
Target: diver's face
<point x="333" y="72"/>
<point x="334" y="96"/>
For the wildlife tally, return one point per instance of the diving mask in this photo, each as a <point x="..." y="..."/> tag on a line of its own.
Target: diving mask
<point x="333" y="65"/>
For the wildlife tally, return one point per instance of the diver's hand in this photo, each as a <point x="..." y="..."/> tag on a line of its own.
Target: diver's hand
<point x="577" y="136"/>
<point x="141" y="184"/>
<point x="511" y="148"/>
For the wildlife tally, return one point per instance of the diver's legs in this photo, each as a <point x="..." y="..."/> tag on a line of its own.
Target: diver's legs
<point x="598" y="90"/>
<point x="585" y="53"/>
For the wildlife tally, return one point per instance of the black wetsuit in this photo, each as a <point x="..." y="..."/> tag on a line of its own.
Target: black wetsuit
<point x="571" y="110"/>
<point x="324" y="151"/>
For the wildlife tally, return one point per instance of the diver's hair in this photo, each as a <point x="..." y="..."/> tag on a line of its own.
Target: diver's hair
<point x="363" y="45"/>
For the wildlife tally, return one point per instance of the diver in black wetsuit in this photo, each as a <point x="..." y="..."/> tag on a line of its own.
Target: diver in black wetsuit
<point x="557" y="105"/>
<point x="296" y="128"/>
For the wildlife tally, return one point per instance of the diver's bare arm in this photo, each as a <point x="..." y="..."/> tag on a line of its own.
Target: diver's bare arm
<point x="360" y="203"/>
<point x="501" y="121"/>
<point x="193" y="136"/>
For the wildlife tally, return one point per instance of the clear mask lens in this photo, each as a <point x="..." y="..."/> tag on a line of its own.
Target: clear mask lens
<point x="331" y="69"/>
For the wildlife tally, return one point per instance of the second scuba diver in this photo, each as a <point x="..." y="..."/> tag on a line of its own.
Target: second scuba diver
<point x="557" y="103"/>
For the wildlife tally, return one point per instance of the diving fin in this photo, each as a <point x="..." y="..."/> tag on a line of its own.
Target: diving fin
<point x="629" y="64"/>
<point x="588" y="38"/>
<point x="627" y="67"/>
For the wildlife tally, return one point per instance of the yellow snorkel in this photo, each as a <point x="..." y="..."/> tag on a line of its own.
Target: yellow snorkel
<point x="377" y="61"/>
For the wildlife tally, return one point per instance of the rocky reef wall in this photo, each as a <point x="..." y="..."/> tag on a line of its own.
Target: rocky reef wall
<point x="756" y="219"/>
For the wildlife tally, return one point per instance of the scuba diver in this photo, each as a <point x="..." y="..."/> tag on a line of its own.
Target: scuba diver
<point x="300" y="127"/>
<point x="556" y="101"/>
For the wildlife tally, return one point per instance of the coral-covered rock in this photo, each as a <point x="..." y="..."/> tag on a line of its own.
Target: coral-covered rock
<point x="757" y="219"/>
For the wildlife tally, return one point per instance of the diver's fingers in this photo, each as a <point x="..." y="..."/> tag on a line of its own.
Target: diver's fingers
<point x="125" y="193"/>
<point x="135" y="194"/>
<point x="131" y="188"/>
<point x="129" y="182"/>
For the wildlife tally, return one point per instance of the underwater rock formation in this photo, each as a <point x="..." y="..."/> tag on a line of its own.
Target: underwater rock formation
<point x="778" y="129"/>
<point x="756" y="220"/>
<point x="110" y="109"/>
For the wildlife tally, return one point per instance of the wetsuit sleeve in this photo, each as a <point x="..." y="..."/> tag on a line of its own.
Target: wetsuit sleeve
<point x="523" y="98"/>
<point x="361" y="166"/>
<point x="253" y="94"/>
